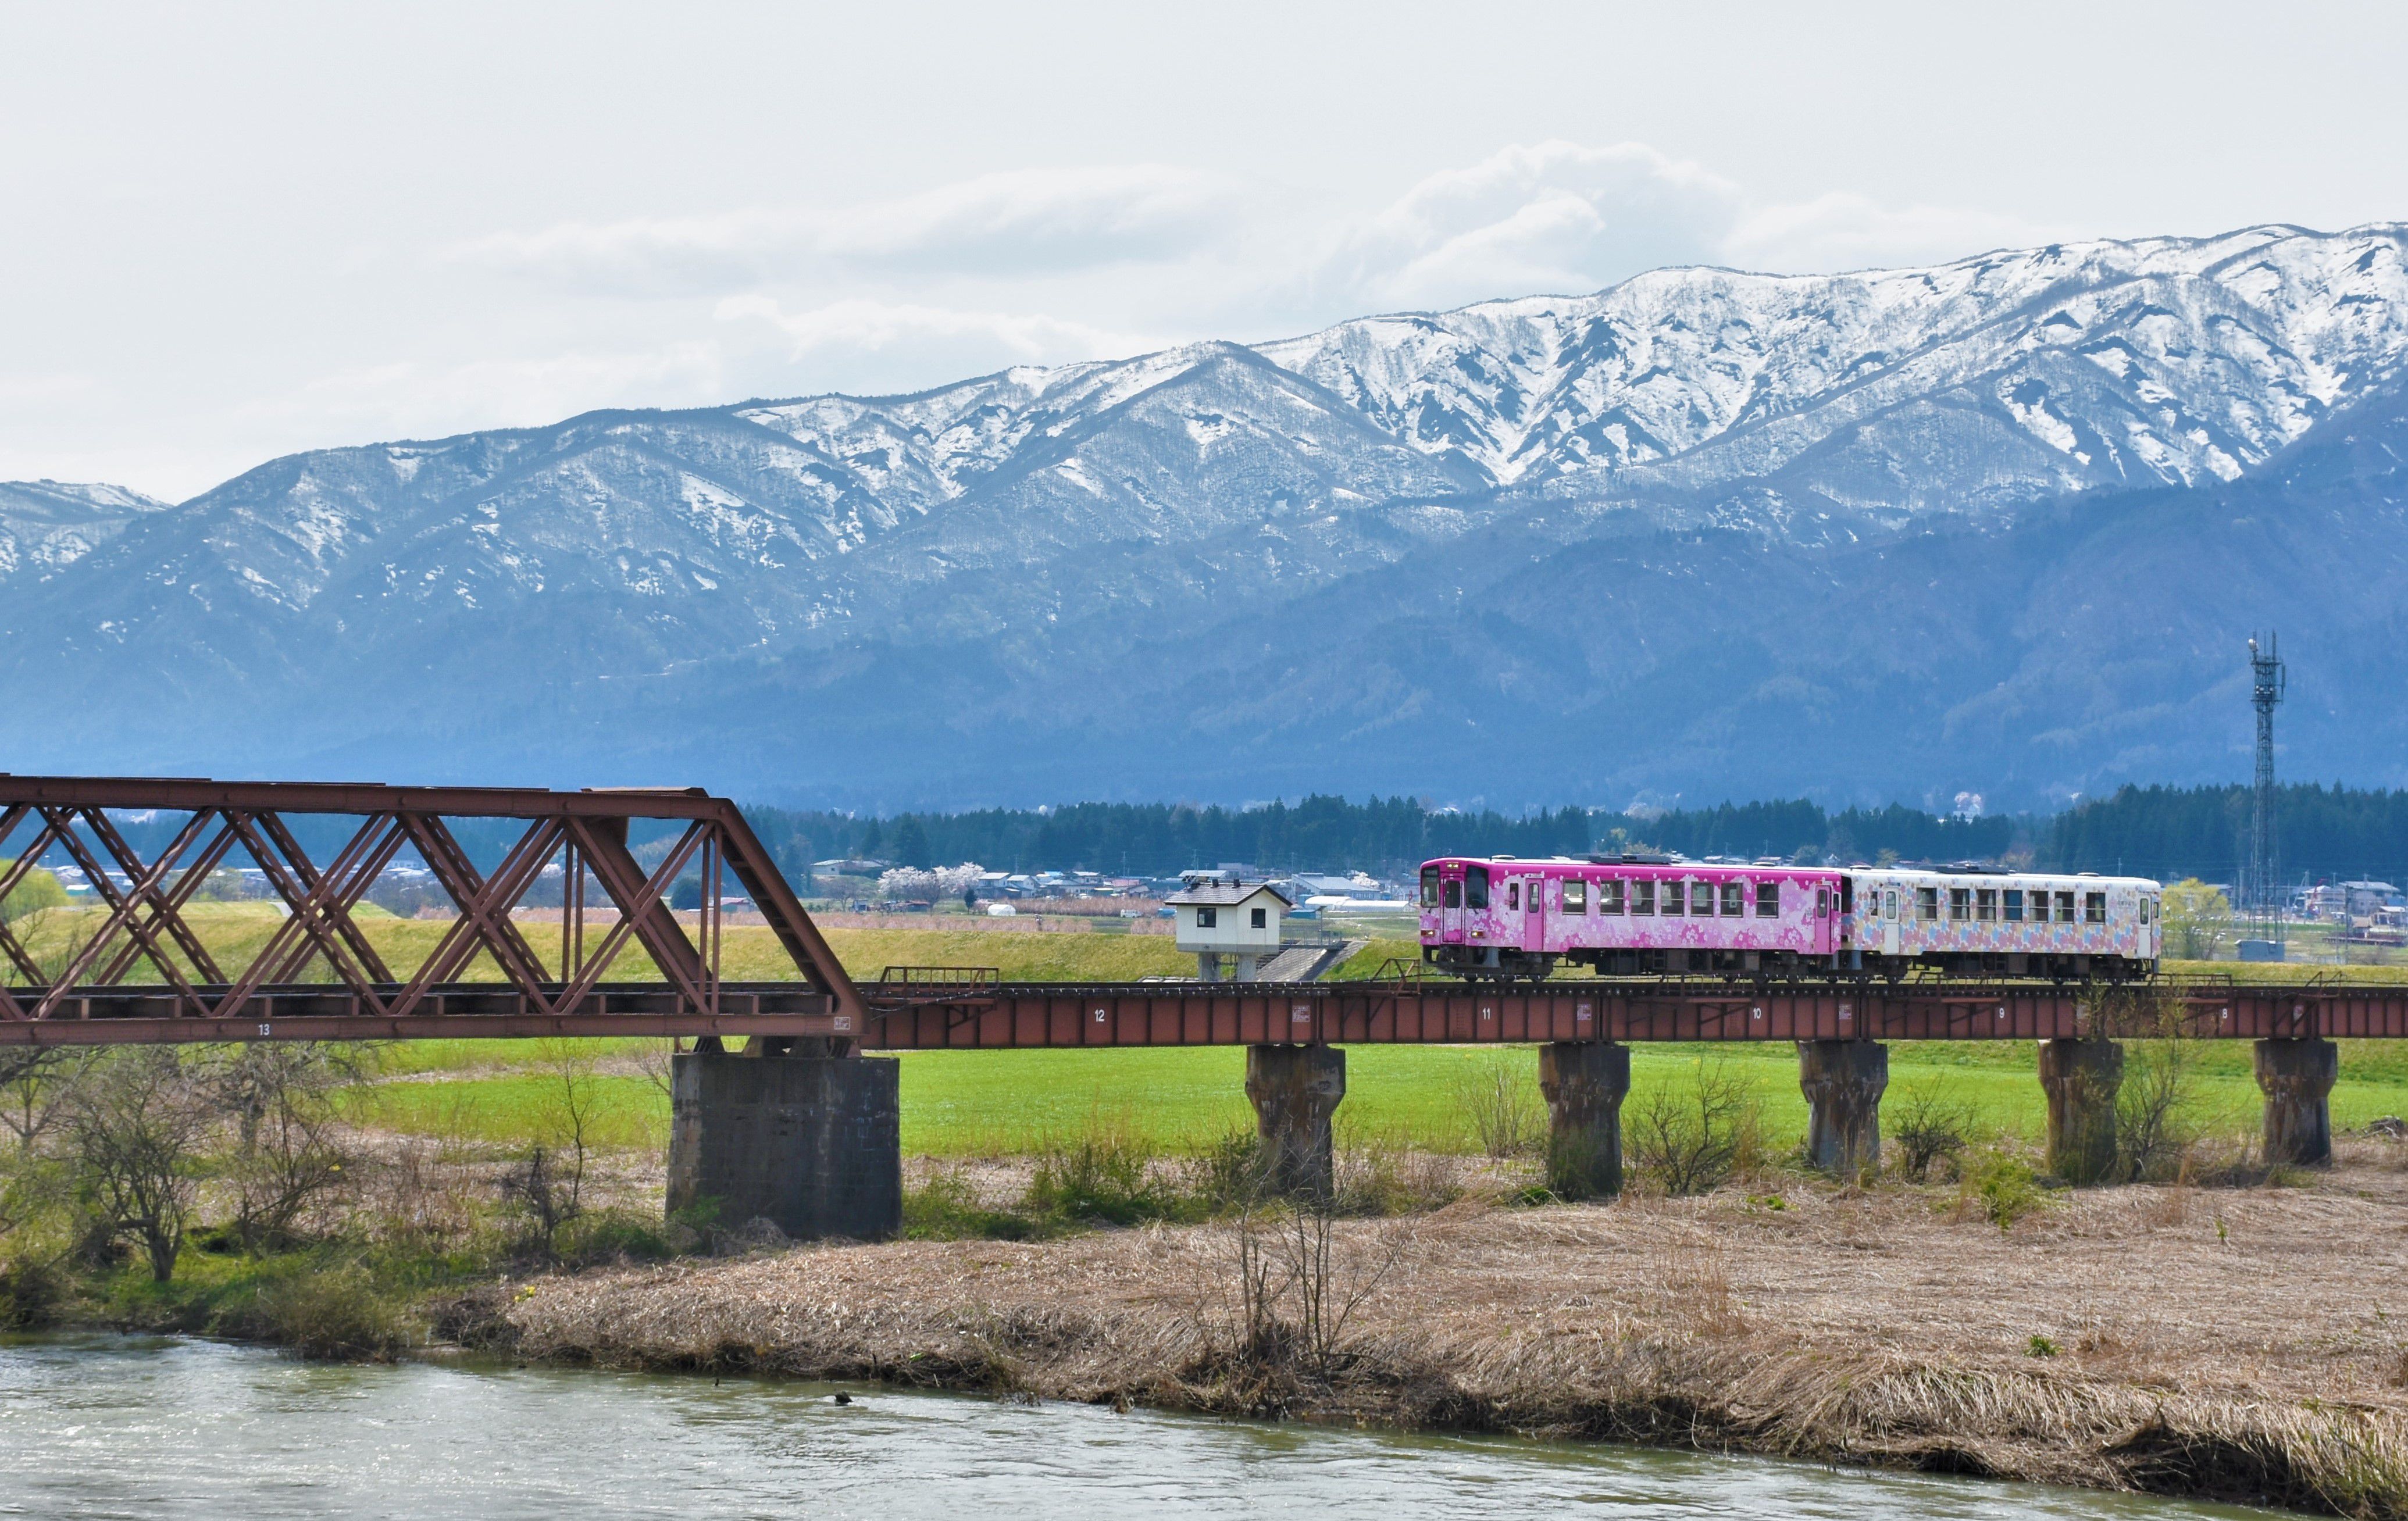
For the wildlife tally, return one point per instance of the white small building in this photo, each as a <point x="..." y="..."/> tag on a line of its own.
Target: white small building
<point x="1236" y="919"/>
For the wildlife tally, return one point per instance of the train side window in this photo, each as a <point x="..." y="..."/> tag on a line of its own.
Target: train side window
<point x="1429" y="888"/>
<point x="1513" y="894"/>
<point x="2094" y="908"/>
<point x="1768" y="900"/>
<point x="1642" y="895"/>
<point x="1671" y="900"/>
<point x="1701" y="899"/>
<point x="1986" y="903"/>
<point x="1609" y="896"/>
<point x="1475" y="887"/>
<point x="1927" y="904"/>
<point x="1454" y="893"/>
<point x="2065" y="908"/>
<point x="1735" y="898"/>
<point x="1575" y="895"/>
<point x="1960" y="901"/>
<point x="2014" y="905"/>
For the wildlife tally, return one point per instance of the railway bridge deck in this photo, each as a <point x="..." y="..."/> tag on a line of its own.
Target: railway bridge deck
<point x="810" y="1138"/>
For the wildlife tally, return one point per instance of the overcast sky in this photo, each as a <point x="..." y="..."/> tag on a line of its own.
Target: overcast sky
<point x="238" y="231"/>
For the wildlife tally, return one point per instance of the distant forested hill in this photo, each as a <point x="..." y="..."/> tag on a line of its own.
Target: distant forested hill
<point x="2169" y="832"/>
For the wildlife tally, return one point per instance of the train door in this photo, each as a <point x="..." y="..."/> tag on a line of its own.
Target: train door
<point x="1452" y="886"/>
<point x="1890" y="920"/>
<point x="1534" y="914"/>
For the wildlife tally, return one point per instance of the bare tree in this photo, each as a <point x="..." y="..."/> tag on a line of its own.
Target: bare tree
<point x="135" y="1122"/>
<point x="287" y="1154"/>
<point x="1690" y="1135"/>
<point x="36" y="1081"/>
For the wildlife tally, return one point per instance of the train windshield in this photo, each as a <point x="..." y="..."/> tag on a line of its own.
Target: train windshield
<point x="1429" y="887"/>
<point x="1475" y="886"/>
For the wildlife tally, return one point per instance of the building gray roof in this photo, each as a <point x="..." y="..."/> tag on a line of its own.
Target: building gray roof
<point x="1224" y="895"/>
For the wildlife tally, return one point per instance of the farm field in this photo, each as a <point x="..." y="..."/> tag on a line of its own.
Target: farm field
<point x="971" y="1103"/>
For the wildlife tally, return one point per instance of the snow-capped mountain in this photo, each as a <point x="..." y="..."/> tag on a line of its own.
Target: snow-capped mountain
<point x="1136" y="577"/>
<point x="46" y="525"/>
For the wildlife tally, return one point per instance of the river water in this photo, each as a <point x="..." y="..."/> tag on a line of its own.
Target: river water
<point x="152" y="1427"/>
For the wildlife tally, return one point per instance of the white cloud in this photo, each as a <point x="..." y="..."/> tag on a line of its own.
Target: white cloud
<point x="1551" y="216"/>
<point x="1023" y="221"/>
<point x="925" y="340"/>
<point x="1840" y="232"/>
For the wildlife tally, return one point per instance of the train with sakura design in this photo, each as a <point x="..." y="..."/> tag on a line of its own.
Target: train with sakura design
<point x="1502" y="918"/>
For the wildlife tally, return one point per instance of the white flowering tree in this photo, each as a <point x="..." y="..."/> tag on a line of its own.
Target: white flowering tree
<point x="906" y="882"/>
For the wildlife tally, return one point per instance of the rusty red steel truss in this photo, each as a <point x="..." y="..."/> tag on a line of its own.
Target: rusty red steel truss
<point x="320" y="977"/>
<point x="1021" y="1015"/>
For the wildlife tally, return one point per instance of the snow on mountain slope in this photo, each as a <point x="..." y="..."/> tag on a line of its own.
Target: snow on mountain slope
<point x="1022" y="555"/>
<point x="46" y="526"/>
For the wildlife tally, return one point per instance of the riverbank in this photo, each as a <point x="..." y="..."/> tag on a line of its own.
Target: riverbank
<point x="2245" y="1344"/>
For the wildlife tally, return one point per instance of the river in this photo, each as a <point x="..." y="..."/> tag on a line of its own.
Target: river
<point x="95" y="1426"/>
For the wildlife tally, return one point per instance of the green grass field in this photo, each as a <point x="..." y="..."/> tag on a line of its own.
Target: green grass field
<point x="960" y="1103"/>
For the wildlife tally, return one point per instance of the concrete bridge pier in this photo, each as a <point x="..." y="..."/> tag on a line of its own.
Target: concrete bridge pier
<point x="1294" y="1090"/>
<point x="1584" y="1082"/>
<point x="2080" y="1078"/>
<point x="1844" y="1081"/>
<point x="808" y="1140"/>
<point x="2296" y="1078"/>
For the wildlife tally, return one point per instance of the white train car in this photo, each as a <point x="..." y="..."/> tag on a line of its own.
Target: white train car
<point x="2001" y="924"/>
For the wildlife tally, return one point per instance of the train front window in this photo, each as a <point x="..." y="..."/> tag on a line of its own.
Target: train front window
<point x="1575" y="895"/>
<point x="1429" y="887"/>
<point x="1475" y="886"/>
<point x="1453" y="891"/>
<point x="2014" y="905"/>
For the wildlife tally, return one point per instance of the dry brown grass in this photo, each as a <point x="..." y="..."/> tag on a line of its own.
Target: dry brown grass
<point x="2244" y="1343"/>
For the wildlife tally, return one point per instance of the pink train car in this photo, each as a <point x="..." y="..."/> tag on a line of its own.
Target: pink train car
<point x="1500" y="917"/>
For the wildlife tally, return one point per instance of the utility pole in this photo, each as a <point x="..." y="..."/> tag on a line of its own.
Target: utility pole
<point x="2262" y="895"/>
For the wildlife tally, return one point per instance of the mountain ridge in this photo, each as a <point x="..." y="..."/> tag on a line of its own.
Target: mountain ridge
<point x="1077" y="576"/>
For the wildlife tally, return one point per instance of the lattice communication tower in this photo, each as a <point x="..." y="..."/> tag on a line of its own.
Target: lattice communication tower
<point x="2262" y="895"/>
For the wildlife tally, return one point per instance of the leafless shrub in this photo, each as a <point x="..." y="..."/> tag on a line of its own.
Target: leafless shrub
<point x="1500" y="1101"/>
<point x="1292" y="1257"/>
<point x="34" y="1082"/>
<point x="1929" y="1125"/>
<point x="136" y="1125"/>
<point x="287" y="1154"/>
<point x="2156" y="1125"/>
<point x="1691" y="1135"/>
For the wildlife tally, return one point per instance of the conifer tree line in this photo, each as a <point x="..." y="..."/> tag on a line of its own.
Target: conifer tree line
<point x="2166" y="832"/>
<point x="2323" y="832"/>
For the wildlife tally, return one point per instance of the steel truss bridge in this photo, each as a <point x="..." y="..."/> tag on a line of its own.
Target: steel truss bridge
<point x="143" y="973"/>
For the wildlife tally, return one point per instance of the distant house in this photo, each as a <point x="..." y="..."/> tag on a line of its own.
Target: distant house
<point x="1219" y="918"/>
